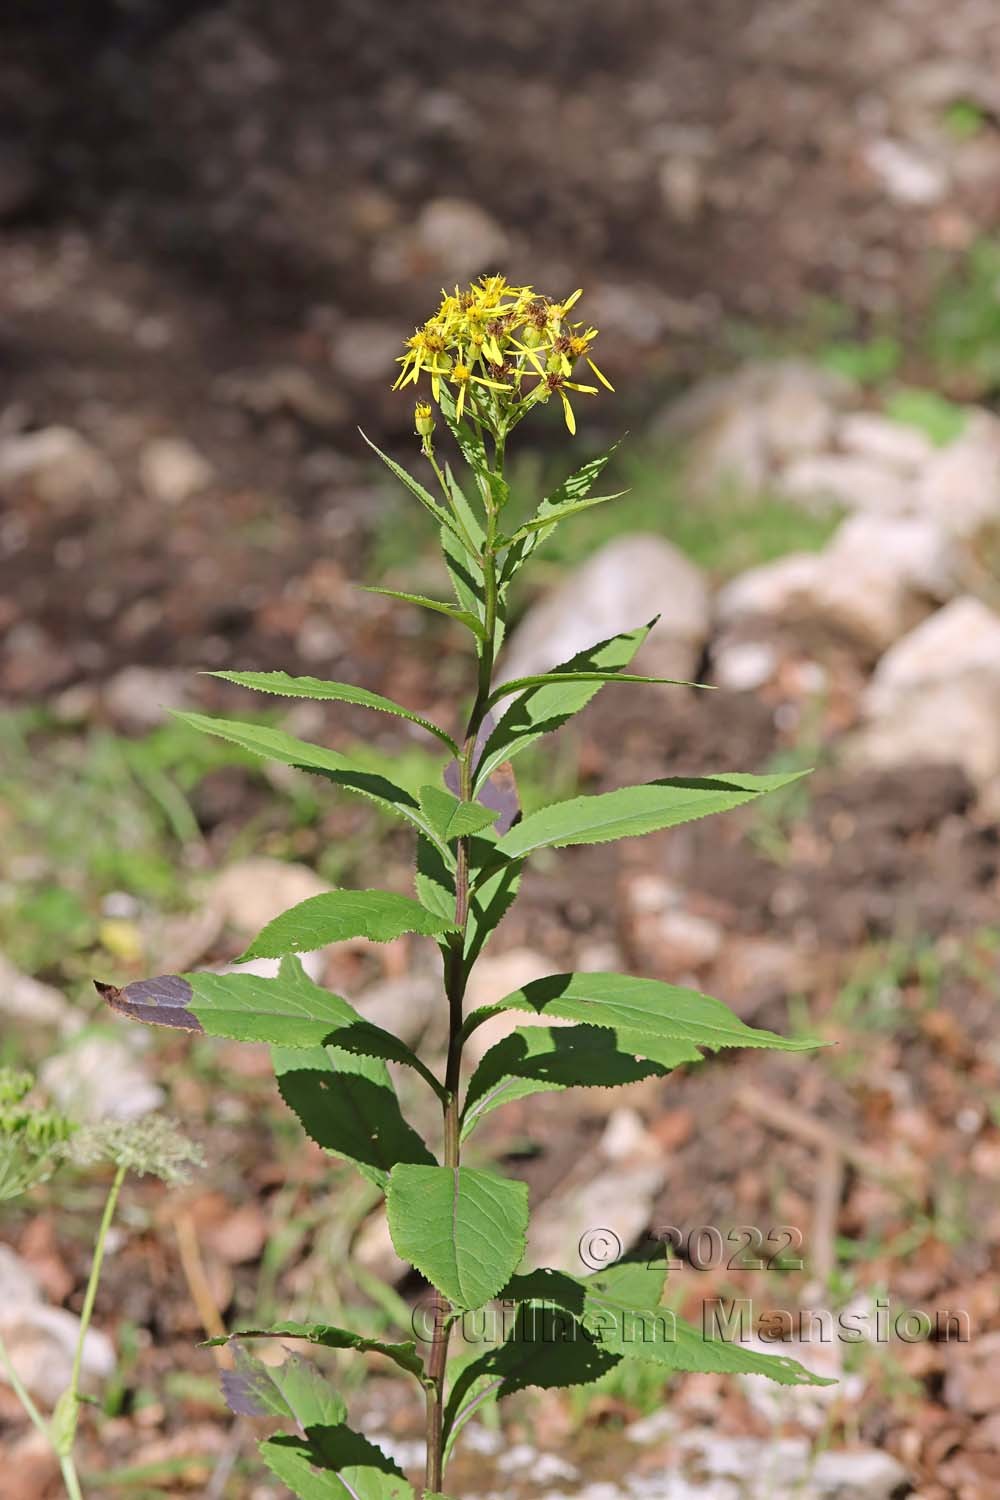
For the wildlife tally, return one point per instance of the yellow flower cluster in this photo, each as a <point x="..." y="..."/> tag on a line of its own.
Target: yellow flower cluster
<point x="503" y="348"/>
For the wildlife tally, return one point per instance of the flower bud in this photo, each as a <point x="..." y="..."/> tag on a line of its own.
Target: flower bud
<point x="423" y="418"/>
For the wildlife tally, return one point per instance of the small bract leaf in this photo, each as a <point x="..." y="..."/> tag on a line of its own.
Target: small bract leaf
<point x="451" y="818"/>
<point x="330" y="1337"/>
<point x="464" y="1230"/>
<point x="294" y="1389"/>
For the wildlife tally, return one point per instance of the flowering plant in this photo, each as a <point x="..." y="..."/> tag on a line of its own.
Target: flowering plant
<point x="491" y="354"/>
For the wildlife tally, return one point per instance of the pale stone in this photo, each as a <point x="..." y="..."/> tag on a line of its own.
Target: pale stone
<point x="743" y="666"/>
<point x="875" y="580"/>
<point x="59" y="464"/>
<point x="100" y="1077"/>
<point x="953" y="722"/>
<point x="963" y="637"/>
<point x="866" y="434"/>
<point x="41" y="1340"/>
<point x="460" y="238"/>
<point x="848" y="481"/>
<point x="172" y="470"/>
<point x="624" y="585"/>
<point x="492" y="980"/>
<point x="142" y="697"/>
<point x="252" y="892"/>
<point x="28" y="1002"/>
<point x="960" y="485"/>
<point x="363" y="349"/>
<point x="590" y="1225"/>
<point x="907" y="174"/>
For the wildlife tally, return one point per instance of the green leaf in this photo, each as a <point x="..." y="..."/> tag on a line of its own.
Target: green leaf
<point x="347" y="1104"/>
<point x="434" y="881"/>
<point x="646" y="1014"/>
<point x="464" y="1230"/>
<point x="492" y="897"/>
<point x="294" y="1390"/>
<point x="542" y="709"/>
<point x="273" y="744"/>
<point x="635" y="810"/>
<point x="536" y="1059"/>
<point x="451" y="818"/>
<point x="544" y="521"/>
<point x="463" y="616"/>
<point x="365" y="1039"/>
<point x="334" y="1463"/>
<point x="314" y="688"/>
<point x="330" y="1337"/>
<point x="288" y="1009"/>
<point x="551" y="510"/>
<point x="415" y="488"/>
<point x="619" y="1309"/>
<point x="335" y="916"/>
<point x="557" y="678"/>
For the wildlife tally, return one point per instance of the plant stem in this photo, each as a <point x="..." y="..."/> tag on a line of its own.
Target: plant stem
<point x="457" y="975"/>
<point x="95" y="1275"/>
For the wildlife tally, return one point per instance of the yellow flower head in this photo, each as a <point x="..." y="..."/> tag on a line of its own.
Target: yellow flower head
<point x="503" y="349"/>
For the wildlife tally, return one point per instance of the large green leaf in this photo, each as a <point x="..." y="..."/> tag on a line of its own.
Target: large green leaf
<point x="336" y="916"/>
<point x="318" y="690"/>
<point x="347" y="1104"/>
<point x="619" y="1309"/>
<point x="289" y="1009"/>
<point x="536" y="1059"/>
<point x="334" y="1463"/>
<point x="465" y="617"/>
<point x="635" y="810"/>
<point x="274" y="744"/>
<point x="645" y="1014"/>
<point x="464" y="1230"/>
<point x="544" y="708"/>
<point x="330" y="1337"/>
<point x="294" y="1390"/>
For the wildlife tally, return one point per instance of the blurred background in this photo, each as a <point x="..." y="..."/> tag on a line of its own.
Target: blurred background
<point x="218" y="221"/>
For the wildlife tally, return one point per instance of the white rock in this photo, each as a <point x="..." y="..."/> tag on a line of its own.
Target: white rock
<point x="731" y="453"/>
<point x="866" y="434"/>
<point x="950" y="723"/>
<point x="960" y="484"/>
<point x="98" y="1077"/>
<point x="363" y="349"/>
<point x="142" y="697"/>
<point x="172" y="470"/>
<point x="963" y="637"/>
<point x="622" y="586"/>
<point x="874" y="581"/>
<point x="795" y="400"/>
<point x="852" y="482"/>
<point x="857" y="1474"/>
<point x="252" y="892"/>
<point x="906" y="174"/>
<point x="806" y="1405"/>
<point x="625" y="1137"/>
<point x="41" y="1340"/>
<point x="27" y="1002"/>
<point x="589" y="1225"/>
<point x="373" y="1249"/>
<point x="742" y="666"/>
<point x="59" y="464"/>
<point x="461" y="238"/>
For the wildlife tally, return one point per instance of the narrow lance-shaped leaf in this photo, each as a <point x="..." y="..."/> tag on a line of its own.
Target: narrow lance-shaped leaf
<point x="634" y="810"/>
<point x="464" y="1230"/>
<point x="536" y="1059"/>
<point x="619" y="1310"/>
<point x="317" y="690"/>
<point x="545" y="521"/>
<point x="464" y="617"/>
<point x="551" y="510"/>
<point x="347" y="1104"/>
<point x="328" y="1336"/>
<point x="274" y="744"/>
<point x="643" y="1013"/>
<point x="337" y="916"/>
<point x="415" y="488"/>
<point x="542" y="709"/>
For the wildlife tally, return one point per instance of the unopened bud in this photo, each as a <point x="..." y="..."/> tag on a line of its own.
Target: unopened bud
<point x="423" y="418"/>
